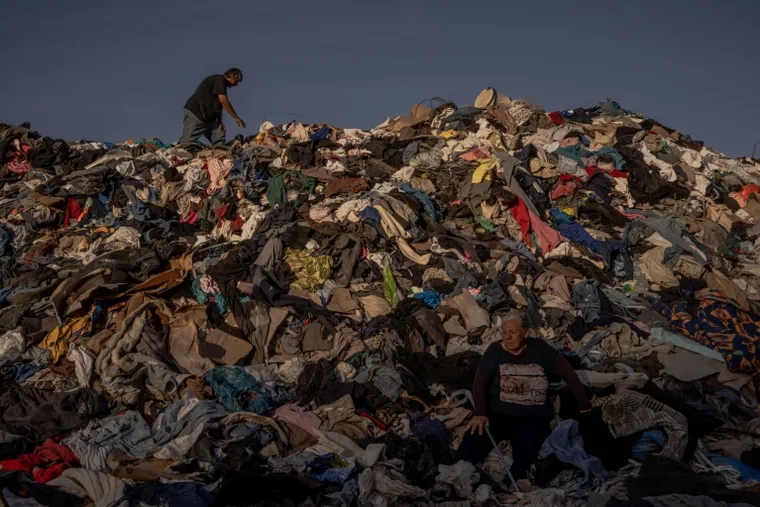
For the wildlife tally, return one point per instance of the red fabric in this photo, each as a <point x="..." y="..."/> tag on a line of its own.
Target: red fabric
<point x="548" y="238"/>
<point x="191" y="218"/>
<point x="235" y="225"/>
<point x="380" y="424"/>
<point x="45" y="463"/>
<point x="73" y="210"/>
<point x="556" y="117"/>
<point x="520" y="213"/>
<point x="748" y="190"/>
<point x="568" y="177"/>
<point x="19" y="165"/>
<point x="221" y="211"/>
<point x="614" y="173"/>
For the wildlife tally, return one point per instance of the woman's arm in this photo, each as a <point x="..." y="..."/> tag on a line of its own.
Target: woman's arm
<point x="567" y="373"/>
<point x="480" y="393"/>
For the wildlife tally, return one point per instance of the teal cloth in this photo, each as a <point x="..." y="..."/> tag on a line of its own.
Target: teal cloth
<point x="577" y="153"/>
<point x="203" y="298"/>
<point x="236" y="390"/>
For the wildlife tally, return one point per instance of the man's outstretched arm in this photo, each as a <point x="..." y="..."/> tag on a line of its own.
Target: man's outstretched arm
<point x="227" y="105"/>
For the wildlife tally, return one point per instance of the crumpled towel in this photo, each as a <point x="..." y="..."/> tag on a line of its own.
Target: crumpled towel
<point x="462" y="475"/>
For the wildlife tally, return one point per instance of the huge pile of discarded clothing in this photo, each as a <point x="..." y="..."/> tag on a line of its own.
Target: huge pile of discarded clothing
<point x="295" y="319"/>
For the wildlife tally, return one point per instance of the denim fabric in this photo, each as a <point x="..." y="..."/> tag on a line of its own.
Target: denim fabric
<point x="567" y="445"/>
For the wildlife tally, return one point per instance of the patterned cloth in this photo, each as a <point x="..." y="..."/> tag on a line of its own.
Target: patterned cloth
<point x="311" y="272"/>
<point x="629" y="412"/>
<point x="721" y="324"/>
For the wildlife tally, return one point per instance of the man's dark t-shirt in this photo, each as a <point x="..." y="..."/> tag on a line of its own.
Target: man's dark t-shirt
<point x="518" y="385"/>
<point x="204" y="103"/>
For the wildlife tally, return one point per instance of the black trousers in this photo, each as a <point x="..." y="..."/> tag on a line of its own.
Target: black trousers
<point x="526" y="435"/>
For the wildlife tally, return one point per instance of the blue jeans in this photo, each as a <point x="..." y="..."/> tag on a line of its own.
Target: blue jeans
<point x="193" y="128"/>
<point x="526" y="435"/>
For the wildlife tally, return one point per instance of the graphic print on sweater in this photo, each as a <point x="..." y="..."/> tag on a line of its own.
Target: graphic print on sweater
<point x="523" y="384"/>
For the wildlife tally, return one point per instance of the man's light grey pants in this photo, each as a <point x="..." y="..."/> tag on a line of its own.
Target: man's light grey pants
<point x="193" y="129"/>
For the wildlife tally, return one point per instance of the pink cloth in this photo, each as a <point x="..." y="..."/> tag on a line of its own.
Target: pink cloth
<point x="563" y="189"/>
<point x="217" y="172"/>
<point x="292" y="414"/>
<point x="474" y="154"/>
<point x="569" y="141"/>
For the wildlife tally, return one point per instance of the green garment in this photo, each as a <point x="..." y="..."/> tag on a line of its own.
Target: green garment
<point x="278" y="194"/>
<point x="389" y="285"/>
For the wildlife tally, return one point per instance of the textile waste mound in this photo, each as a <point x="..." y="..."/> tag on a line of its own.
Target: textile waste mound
<point x="292" y="319"/>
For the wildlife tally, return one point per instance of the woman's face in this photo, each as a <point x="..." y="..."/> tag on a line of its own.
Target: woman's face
<point x="512" y="335"/>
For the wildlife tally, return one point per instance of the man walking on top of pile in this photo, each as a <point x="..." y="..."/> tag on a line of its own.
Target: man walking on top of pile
<point x="203" y="110"/>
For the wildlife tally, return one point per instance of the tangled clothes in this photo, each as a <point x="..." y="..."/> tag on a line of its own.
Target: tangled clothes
<point x="300" y="313"/>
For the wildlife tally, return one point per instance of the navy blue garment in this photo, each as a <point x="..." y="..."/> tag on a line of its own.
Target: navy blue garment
<point x="371" y="214"/>
<point x="237" y="166"/>
<point x="175" y="494"/>
<point x="425" y="199"/>
<point x="322" y="133"/>
<point x="24" y="371"/>
<point x="429" y="429"/>
<point x="575" y="232"/>
<point x="601" y="185"/>
<point x="560" y="217"/>
<point x="531" y="187"/>
<point x="7" y="292"/>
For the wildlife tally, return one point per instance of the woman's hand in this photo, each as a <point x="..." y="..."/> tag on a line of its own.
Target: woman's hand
<point x="479" y="423"/>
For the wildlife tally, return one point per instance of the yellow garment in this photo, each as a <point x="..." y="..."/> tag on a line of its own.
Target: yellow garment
<point x="57" y="341"/>
<point x="483" y="172"/>
<point x="448" y="134"/>
<point x="311" y="272"/>
<point x="568" y="211"/>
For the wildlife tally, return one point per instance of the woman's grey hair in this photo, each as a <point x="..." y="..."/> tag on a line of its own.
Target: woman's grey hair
<point x="511" y="315"/>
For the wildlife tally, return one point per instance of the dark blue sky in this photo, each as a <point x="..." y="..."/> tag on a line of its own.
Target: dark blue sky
<point x="118" y="70"/>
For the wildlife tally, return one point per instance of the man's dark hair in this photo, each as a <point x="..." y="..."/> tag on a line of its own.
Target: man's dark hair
<point x="234" y="71"/>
